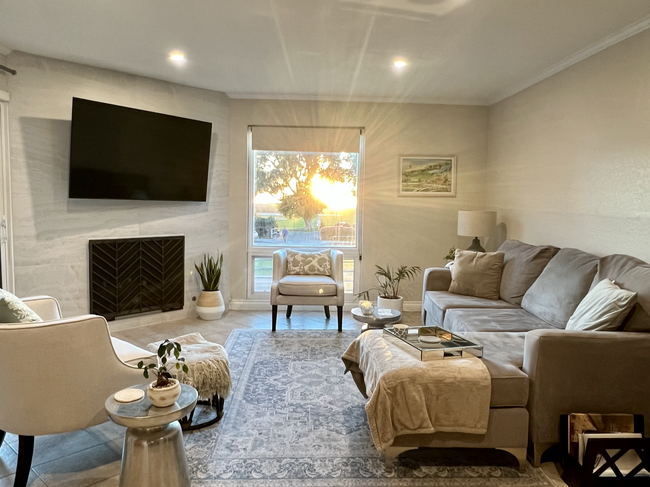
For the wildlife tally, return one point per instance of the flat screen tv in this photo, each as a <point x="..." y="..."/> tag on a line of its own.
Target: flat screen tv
<point x="127" y="154"/>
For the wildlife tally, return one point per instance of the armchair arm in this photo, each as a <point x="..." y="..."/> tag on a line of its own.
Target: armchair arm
<point x="435" y="279"/>
<point x="279" y="271"/>
<point x="583" y="372"/>
<point x="336" y="257"/>
<point x="44" y="306"/>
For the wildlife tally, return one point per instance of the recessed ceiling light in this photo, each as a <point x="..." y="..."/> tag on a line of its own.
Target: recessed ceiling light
<point x="400" y="63"/>
<point x="177" y="57"/>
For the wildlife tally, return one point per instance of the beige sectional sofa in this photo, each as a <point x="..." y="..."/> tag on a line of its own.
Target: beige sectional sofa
<point x="533" y="360"/>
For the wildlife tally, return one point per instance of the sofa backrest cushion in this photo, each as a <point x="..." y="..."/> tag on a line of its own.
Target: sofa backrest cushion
<point x="634" y="275"/>
<point x="522" y="265"/>
<point x="476" y="274"/>
<point x="557" y="292"/>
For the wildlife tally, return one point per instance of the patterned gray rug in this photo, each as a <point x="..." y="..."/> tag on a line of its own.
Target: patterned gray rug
<point x="294" y="419"/>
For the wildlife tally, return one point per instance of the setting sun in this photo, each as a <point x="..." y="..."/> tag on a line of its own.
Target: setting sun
<point x="337" y="196"/>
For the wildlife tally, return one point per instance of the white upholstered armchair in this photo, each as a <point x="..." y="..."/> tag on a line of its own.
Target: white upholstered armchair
<point x="56" y="375"/>
<point x="307" y="289"/>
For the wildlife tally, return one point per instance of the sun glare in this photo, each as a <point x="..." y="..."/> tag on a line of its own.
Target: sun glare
<point x="337" y="196"/>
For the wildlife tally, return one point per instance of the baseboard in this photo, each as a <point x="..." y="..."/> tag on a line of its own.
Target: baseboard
<point x="259" y="305"/>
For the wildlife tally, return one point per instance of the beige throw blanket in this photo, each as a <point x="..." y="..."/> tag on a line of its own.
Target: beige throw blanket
<point x="408" y="396"/>
<point x="209" y="371"/>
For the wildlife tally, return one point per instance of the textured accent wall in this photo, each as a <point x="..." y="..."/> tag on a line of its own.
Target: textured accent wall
<point x="51" y="232"/>
<point x="569" y="158"/>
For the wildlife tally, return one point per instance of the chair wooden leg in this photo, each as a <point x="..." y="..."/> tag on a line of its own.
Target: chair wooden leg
<point x="2" y="436"/>
<point x="289" y="310"/>
<point x="327" y="312"/>
<point x="339" y="315"/>
<point x="274" y="316"/>
<point x="25" y="454"/>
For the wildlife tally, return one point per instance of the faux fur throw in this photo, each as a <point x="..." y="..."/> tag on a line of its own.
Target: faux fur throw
<point x="209" y="370"/>
<point x="408" y="396"/>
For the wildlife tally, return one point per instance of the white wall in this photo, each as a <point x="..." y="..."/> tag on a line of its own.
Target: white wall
<point x="569" y="158"/>
<point x="4" y="76"/>
<point x="396" y="230"/>
<point x="51" y="232"/>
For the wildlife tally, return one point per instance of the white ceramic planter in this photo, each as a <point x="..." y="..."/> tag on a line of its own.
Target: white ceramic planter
<point x="397" y="304"/>
<point x="164" y="396"/>
<point x="210" y="305"/>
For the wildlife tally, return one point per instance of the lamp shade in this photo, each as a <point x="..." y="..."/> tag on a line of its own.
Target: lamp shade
<point x="476" y="223"/>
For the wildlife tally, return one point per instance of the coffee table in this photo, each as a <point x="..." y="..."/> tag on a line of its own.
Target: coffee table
<point x="153" y="453"/>
<point x="375" y="321"/>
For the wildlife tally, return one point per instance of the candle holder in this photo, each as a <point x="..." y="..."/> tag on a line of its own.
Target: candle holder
<point x="366" y="307"/>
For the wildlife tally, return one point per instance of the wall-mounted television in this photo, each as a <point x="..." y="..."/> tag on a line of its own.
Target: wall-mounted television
<point x="127" y="154"/>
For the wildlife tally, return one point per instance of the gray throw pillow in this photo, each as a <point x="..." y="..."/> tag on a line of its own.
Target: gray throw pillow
<point x="309" y="263"/>
<point x="13" y="310"/>
<point x="522" y="265"/>
<point x="476" y="274"/>
<point x="603" y="308"/>
<point x="557" y="292"/>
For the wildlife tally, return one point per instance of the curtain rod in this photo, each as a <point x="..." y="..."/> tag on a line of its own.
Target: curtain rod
<point x="8" y="70"/>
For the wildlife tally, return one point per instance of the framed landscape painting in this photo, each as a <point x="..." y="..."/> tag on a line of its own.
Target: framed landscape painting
<point x="427" y="176"/>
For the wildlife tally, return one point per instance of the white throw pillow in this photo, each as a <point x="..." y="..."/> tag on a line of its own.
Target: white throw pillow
<point x="603" y="308"/>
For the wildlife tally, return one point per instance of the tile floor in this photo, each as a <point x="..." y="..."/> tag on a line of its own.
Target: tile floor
<point x="92" y="456"/>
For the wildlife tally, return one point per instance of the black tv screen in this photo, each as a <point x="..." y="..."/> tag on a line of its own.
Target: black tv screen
<point x="127" y="154"/>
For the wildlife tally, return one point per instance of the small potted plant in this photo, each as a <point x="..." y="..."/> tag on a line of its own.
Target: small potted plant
<point x="165" y="389"/>
<point x="210" y="305"/>
<point x="388" y="286"/>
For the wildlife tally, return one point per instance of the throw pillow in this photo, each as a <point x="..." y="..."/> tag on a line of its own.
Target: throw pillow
<point x="603" y="308"/>
<point x="476" y="274"/>
<point x="13" y="310"/>
<point x="522" y="265"/>
<point x="309" y="263"/>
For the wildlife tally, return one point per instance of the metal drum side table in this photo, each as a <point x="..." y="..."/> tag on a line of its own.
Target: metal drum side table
<point x="153" y="453"/>
<point x="376" y="321"/>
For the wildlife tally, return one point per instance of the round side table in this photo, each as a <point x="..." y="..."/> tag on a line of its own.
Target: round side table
<point x="375" y="322"/>
<point x="153" y="453"/>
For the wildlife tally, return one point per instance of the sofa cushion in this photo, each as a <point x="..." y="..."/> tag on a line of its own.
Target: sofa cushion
<point x="503" y="355"/>
<point x="563" y="283"/>
<point x="603" y="308"/>
<point x="312" y="263"/>
<point x="484" y="320"/>
<point x="634" y="275"/>
<point x="522" y="265"/>
<point x="436" y="303"/>
<point x="476" y="274"/>
<point x="307" y="286"/>
<point x="14" y="310"/>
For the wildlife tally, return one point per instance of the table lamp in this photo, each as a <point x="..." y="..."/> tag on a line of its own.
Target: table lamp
<point x="476" y="224"/>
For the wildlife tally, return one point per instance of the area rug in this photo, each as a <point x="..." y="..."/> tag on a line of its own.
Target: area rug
<point x="294" y="419"/>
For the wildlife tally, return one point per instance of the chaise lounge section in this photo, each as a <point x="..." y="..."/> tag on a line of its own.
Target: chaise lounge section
<point x="567" y="371"/>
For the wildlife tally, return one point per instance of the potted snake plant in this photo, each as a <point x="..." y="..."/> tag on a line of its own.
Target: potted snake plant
<point x="210" y="305"/>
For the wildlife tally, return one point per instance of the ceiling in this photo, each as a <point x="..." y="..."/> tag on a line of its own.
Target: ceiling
<point x="458" y="51"/>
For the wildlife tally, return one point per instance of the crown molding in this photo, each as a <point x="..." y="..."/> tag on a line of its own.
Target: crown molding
<point x="4" y="51"/>
<point x="576" y="57"/>
<point x="356" y="99"/>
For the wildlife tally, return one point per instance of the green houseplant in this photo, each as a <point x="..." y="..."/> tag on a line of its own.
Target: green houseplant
<point x="165" y="389"/>
<point x="210" y="305"/>
<point x="388" y="282"/>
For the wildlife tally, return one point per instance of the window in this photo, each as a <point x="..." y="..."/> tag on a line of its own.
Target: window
<point x="304" y="184"/>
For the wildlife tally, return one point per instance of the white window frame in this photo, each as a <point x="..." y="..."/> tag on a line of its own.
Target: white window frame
<point x="253" y="251"/>
<point x="6" y="233"/>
